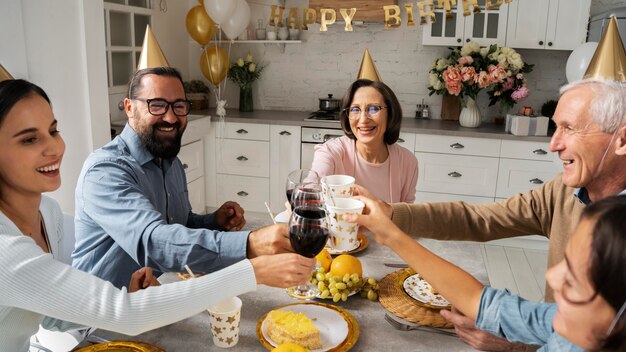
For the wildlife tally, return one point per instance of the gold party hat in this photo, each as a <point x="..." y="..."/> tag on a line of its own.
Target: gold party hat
<point x="151" y="53"/>
<point x="368" y="68"/>
<point x="609" y="60"/>
<point x="4" y="74"/>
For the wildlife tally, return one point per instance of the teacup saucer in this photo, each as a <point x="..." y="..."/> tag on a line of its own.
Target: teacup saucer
<point x="363" y="243"/>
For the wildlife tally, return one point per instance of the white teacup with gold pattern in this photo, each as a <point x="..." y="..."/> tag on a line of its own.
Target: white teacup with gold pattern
<point x="225" y="317"/>
<point x="339" y="186"/>
<point x="343" y="235"/>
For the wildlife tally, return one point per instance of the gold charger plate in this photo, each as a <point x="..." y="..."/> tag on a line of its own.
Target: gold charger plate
<point x="393" y="297"/>
<point x="121" y="346"/>
<point x="363" y="243"/>
<point x="348" y="342"/>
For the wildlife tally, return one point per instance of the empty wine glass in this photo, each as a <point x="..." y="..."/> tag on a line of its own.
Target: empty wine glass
<point x="308" y="234"/>
<point x="299" y="177"/>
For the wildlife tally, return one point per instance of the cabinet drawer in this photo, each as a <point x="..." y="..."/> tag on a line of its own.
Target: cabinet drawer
<point x="250" y="192"/>
<point x="457" y="145"/>
<point x="407" y="140"/>
<point x="247" y="158"/>
<point x="250" y="131"/>
<point x="196" y="195"/>
<point x="518" y="176"/>
<point x="192" y="157"/>
<point x="526" y="150"/>
<point x="465" y="175"/>
<point x="429" y="197"/>
<point x="196" y="129"/>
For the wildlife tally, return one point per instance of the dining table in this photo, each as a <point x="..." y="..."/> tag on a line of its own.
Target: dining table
<point x="375" y="333"/>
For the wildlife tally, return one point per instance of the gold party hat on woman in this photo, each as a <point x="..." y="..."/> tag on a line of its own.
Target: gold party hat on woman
<point x="4" y="74"/>
<point x="151" y="53"/>
<point x="368" y="69"/>
<point x="609" y="60"/>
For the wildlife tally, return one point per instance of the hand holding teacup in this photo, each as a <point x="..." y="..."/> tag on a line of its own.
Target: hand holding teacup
<point x="337" y="190"/>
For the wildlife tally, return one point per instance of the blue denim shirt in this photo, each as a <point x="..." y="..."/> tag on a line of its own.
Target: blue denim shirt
<point x="512" y="317"/>
<point x="130" y="213"/>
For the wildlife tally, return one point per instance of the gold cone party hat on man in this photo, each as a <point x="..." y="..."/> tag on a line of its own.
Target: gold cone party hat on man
<point x="4" y="74"/>
<point x="368" y="68"/>
<point x="609" y="60"/>
<point x="151" y="53"/>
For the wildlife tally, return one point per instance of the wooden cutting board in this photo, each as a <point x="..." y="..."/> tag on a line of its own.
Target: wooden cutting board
<point x="366" y="10"/>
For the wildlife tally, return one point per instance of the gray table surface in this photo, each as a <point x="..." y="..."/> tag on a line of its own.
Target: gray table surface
<point x="376" y="334"/>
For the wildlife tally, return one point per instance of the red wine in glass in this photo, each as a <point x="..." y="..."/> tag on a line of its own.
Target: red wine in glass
<point x="289" y="193"/>
<point x="308" y="194"/>
<point x="309" y="236"/>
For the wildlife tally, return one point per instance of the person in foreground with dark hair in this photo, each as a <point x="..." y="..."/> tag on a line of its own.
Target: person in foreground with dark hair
<point x="589" y="283"/>
<point x="371" y="117"/>
<point x="132" y="203"/>
<point x="33" y="283"/>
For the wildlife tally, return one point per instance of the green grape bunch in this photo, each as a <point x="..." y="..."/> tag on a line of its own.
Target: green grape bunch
<point x="339" y="288"/>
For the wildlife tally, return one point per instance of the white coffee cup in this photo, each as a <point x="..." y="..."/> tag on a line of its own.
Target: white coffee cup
<point x="343" y="235"/>
<point x="337" y="186"/>
<point x="225" y="317"/>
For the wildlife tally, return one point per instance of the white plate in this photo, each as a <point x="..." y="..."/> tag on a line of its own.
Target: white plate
<point x="420" y="290"/>
<point x="332" y="326"/>
<point x="282" y="217"/>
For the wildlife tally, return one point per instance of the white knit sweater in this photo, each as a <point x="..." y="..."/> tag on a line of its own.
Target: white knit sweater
<point x="34" y="284"/>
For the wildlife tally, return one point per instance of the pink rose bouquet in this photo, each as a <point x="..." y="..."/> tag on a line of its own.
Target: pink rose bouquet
<point x="470" y="69"/>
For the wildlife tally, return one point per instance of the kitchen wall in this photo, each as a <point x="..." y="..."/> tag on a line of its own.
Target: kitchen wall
<point x="327" y="62"/>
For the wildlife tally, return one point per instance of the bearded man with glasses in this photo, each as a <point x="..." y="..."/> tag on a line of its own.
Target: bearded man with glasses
<point x="132" y="204"/>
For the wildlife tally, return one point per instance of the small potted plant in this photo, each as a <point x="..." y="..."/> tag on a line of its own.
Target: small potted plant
<point x="198" y="93"/>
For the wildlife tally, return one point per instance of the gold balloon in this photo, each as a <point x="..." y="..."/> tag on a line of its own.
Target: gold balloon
<point x="199" y="25"/>
<point x="214" y="63"/>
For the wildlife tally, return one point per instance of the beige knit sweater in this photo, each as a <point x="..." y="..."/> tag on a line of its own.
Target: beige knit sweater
<point x="550" y="210"/>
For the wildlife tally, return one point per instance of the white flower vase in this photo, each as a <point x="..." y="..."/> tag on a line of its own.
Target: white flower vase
<point x="470" y="114"/>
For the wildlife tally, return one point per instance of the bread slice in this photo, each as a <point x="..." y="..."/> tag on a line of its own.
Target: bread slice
<point x="286" y="326"/>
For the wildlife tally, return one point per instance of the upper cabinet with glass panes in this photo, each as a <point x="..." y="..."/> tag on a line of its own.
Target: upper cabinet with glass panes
<point x="486" y="28"/>
<point x="125" y="26"/>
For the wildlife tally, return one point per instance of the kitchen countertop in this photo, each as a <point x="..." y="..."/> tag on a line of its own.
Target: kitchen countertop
<point x="409" y="124"/>
<point x="376" y="334"/>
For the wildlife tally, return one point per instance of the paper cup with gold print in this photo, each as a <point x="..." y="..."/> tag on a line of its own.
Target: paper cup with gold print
<point x="343" y="235"/>
<point x="225" y="317"/>
<point x="339" y="186"/>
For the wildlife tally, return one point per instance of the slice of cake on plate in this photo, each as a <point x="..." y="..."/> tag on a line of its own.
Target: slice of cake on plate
<point x="287" y="326"/>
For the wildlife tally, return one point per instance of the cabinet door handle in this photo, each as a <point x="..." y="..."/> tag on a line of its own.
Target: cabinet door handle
<point x="539" y="152"/>
<point x="285" y="133"/>
<point x="536" y="181"/>
<point x="400" y="140"/>
<point x="242" y="158"/>
<point x="242" y="193"/>
<point x="458" y="40"/>
<point x="185" y="166"/>
<point x="541" y="42"/>
<point x="549" y="43"/>
<point x="467" y="40"/>
<point x="455" y="174"/>
<point x="242" y="131"/>
<point x="457" y="146"/>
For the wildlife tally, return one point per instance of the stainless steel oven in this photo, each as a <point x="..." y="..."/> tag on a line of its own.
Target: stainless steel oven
<point x="312" y="136"/>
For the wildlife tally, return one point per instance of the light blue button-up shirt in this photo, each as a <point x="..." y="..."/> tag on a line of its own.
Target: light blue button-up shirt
<point x="131" y="212"/>
<point x="512" y="317"/>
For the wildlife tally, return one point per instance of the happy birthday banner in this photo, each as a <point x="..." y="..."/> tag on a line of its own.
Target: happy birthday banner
<point x="392" y="13"/>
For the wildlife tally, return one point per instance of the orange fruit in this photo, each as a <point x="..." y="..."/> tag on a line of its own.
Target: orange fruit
<point x="325" y="259"/>
<point x="290" y="347"/>
<point x="346" y="264"/>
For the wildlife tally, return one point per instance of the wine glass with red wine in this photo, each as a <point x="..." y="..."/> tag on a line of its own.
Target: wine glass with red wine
<point x="308" y="233"/>
<point x="299" y="177"/>
<point x="307" y="194"/>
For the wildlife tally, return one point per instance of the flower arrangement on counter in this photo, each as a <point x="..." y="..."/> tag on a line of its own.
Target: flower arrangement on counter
<point x="244" y="72"/>
<point x="471" y="68"/>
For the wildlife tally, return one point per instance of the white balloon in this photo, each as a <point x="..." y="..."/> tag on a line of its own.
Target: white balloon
<point x="578" y="61"/>
<point x="238" y="22"/>
<point x="220" y="10"/>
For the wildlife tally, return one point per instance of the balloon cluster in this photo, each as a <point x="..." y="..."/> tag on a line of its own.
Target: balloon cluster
<point x="203" y="22"/>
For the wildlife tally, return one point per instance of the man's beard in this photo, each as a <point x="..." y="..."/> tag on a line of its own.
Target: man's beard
<point x="161" y="147"/>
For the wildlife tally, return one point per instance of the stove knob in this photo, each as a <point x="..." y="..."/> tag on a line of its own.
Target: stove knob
<point x="317" y="136"/>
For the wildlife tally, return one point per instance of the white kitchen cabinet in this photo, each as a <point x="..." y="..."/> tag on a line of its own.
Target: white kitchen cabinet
<point x="547" y="24"/>
<point x="407" y="140"/>
<point x="486" y="28"/>
<point x="192" y="156"/>
<point x="284" y="158"/>
<point x="242" y="158"/>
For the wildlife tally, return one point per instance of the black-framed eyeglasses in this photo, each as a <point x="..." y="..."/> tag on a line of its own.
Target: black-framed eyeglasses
<point x="371" y="111"/>
<point x="159" y="107"/>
